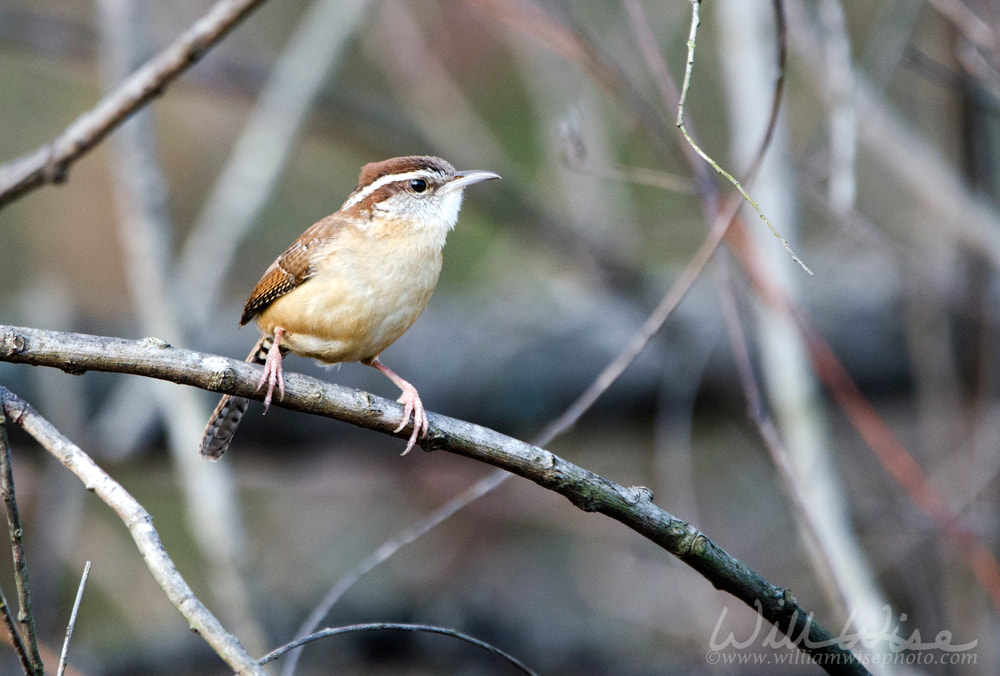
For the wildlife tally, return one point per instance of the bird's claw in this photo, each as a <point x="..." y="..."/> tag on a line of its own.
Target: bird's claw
<point x="273" y="373"/>
<point x="413" y="407"/>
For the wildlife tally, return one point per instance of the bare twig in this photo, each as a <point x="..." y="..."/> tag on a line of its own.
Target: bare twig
<point x="25" y="616"/>
<point x="51" y="163"/>
<point x="390" y="626"/>
<point x="637" y="343"/>
<point x="140" y="526"/>
<point x="8" y="619"/>
<point x="64" y="656"/>
<point x="631" y="506"/>
<point x="11" y="626"/>
<point x="692" y="37"/>
<point x="386" y="550"/>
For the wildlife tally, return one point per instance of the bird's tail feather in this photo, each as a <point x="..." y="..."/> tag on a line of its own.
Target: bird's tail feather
<point x="227" y="415"/>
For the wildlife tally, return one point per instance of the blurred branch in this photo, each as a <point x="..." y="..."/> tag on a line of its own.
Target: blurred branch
<point x="631" y="506"/>
<point x="140" y="525"/>
<point x="901" y="465"/>
<point x="142" y="196"/>
<point x="25" y="616"/>
<point x="384" y="552"/>
<point x="651" y="178"/>
<point x="64" y="655"/>
<point x="654" y="322"/>
<point x="842" y="118"/>
<point x="909" y="155"/>
<point x="422" y="79"/>
<point x="247" y="181"/>
<point x="981" y="70"/>
<point x="828" y="577"/>
<point x="888" y="449"/>
<point x="8" y="619"/>
<point x="793" y="426"/>
<point x="51" y="163"/>
<point x="388" y="626"/>
<point x="27" y="664"/>
<point x="967" y="22"/>
<point x="527" y="18"/>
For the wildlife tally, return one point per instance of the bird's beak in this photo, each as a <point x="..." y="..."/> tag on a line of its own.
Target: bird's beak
<point x="464" y="179"/>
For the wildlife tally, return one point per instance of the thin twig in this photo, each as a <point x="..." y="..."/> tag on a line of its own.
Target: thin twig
<point x="530" y="20"/>
<point x="11" y="625"/>
<point x="899" y="462"/>
<point x="644" y="176"/>
<point x="25" y="616"/>
<point x="390" y="626"/>
<point x="64" y="656"/>
<point x="631" y="506"/>
<point x="637" y="343"/>
<point x="51" y="163"/>
<point x="386" y="550"/>
<point x="695" y="22"/>
<point x="140" y="526"/>
<point x="8" y="619"/>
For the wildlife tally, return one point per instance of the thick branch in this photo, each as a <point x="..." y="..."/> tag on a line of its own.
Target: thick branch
<point x="632" y="506"/>
<point x="50" y="163"/>
<point x="140" y="526"/>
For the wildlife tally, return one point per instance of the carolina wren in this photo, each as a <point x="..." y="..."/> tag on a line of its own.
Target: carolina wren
<point x="354" y="282"/>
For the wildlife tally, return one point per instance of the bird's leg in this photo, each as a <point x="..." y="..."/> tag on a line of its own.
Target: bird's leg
<point x="273" y="375"/>
<point x="410" y="400"/>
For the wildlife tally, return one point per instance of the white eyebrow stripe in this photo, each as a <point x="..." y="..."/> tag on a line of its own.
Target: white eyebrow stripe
<point x="385" y="180"/>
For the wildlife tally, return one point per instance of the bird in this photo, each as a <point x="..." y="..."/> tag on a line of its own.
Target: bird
<point x="353" y="283"/>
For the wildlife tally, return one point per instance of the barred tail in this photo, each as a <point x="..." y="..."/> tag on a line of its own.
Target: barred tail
<point x="227" y="415"/>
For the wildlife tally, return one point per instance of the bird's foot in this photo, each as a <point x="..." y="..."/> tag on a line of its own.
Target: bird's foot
<point x="412" y="406"/>
<point x="273" y="374"/>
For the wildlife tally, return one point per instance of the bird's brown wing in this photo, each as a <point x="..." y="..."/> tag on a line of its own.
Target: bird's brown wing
<point x="291" y="268"/>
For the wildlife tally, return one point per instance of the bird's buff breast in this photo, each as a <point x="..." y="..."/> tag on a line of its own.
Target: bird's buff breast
<point x="356" y="304"/>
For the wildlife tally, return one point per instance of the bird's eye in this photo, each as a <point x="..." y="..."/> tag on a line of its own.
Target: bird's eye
<point x="418" y="185"/>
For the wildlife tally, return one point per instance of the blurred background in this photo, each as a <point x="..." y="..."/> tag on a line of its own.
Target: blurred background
<point x="881" y="174"/>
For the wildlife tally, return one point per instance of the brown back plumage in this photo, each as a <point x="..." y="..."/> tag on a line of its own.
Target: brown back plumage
<point x="290" y="269"/>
